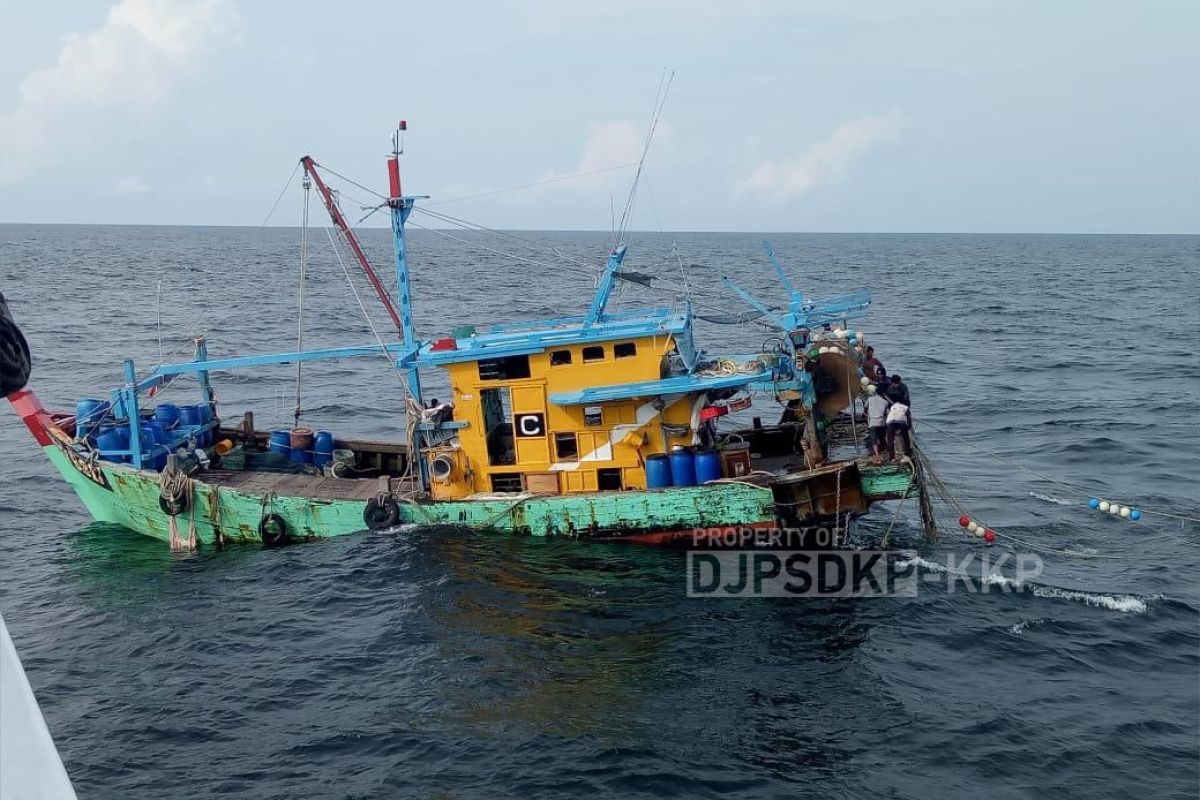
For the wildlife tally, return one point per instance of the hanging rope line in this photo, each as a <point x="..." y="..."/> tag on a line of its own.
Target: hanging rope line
<point x="1045" y="477"/>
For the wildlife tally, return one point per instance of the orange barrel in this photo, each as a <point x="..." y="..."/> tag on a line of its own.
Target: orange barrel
<point x="302" y="445"/>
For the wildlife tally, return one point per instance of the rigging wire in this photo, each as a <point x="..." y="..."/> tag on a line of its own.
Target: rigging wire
<point x="660" y="100"/>
<point x="523" y="186"/>
<point x="307" y="183"/>
<point x="366" y="189"/>
<point x="282" y="192"/>
<point x="469" y="243"/>
<point x="531" y="243"/>
<point x="412" y="411"/>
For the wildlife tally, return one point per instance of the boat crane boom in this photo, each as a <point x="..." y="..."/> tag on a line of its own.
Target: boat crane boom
<point x="339" y="220"/>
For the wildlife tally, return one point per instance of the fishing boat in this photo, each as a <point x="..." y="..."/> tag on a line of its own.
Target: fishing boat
<point x="605" y="425"/>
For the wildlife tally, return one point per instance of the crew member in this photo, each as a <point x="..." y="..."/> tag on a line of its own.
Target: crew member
<point x="872" y="367"/>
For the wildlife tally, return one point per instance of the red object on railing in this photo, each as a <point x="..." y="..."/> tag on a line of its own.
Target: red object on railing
<point x="339" y="220"/>
<point x="448" y="343"/>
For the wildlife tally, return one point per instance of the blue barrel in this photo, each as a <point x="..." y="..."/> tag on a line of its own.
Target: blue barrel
<point x="88" y="413"/>
<point x="167" y="414"/>
<point x="658" y="471"/>
<point x="708" y="466"/>
<point x="191" y="416"/>
<point x="111" y="439"/>
<point x="281" y="442"/>
<point x="158" y="433"/>
<point x="301" y="456"/>
<point x="683" y="468"/>
<point x="323" y="448"/>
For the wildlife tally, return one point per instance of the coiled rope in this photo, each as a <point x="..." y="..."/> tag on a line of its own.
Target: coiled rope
<point x="175" y="489"/>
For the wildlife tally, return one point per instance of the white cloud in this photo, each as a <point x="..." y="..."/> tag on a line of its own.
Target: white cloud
<point x="609" y="146"/>
<point x="822" y="161"/>
<point x="125" y="66"/>
<point x="132" y="184"/>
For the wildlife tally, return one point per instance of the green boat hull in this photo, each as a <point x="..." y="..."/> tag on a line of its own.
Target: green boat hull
<point x="122" y="495"/>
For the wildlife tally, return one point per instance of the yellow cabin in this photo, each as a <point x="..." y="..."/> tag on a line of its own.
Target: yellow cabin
<point x="526" y="424"/>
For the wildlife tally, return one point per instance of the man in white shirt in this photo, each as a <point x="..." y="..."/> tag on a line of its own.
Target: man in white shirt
<point x="897" y="424"/>
<point x="877" y="408"/>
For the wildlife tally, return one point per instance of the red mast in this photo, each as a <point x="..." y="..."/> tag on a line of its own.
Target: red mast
<point x="339" y="220"/>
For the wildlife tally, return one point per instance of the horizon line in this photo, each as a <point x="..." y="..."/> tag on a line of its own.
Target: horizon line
<point x="632" y="231"/>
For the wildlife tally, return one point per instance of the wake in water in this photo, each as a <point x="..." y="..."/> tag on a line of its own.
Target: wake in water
<point x="1125" y="603"/>
<point x="1048" y="499"/>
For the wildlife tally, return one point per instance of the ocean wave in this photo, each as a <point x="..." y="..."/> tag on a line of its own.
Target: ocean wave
<point x="1123" y="603"/>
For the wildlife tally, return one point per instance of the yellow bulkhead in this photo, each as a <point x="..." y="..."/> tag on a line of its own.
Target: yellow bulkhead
<point x="517" y="440"/>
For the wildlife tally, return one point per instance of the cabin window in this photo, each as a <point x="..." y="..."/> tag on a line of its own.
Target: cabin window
<point x="593" y="416"/>
<point x="507" y="482"/>
<point x="566" y="446"/>
<point x="609" y="480"/>
<point x="624" y="350"/>
<point x="497" y="425"/>
<point x="560" y="357"/>
<point x="593" y="353"/>
<point x="509" y="368"/>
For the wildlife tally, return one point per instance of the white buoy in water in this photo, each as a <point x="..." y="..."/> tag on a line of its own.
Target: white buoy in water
<point x="1124" y="511"/>
<point x="973" y="526"/>
<point x="1104" y="505"/>
<point x="1114" y="509"/>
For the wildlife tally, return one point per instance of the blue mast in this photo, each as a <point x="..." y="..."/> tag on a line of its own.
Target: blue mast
<point x="401" y="207"/>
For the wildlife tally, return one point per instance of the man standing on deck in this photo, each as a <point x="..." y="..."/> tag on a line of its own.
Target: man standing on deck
<point x="897" y="424"/>
<point x="877" y="408"/>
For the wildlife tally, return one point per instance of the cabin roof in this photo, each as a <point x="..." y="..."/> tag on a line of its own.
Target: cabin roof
<point x="681" y="384"/>
<point x="523" y="338"/>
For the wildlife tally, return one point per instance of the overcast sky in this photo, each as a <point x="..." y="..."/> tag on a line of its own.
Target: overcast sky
<point x="921" y="115"/>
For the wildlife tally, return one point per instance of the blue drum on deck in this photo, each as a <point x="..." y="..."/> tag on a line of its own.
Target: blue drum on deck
<point x="683" y="468"/>
<point x="154" y="455"/>
<point x="191" y="416"/>
<point x="111" y="439"/>
<point x="658" y="471"/>
<point x="281" y="442"/>
<point x="167" y="414"/>
<point x="88" y="413"/>
<point x="157" y="432"/>
<point x="323" y="448"/>
<point x="708" y="466"/>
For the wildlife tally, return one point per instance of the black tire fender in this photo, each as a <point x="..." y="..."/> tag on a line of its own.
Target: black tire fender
<point x="173" y="507"/>
<point x="273" y="530"/>
<point x="381" y="513"/>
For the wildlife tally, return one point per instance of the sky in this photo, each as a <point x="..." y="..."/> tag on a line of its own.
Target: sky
<point x="922" y="115"/>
